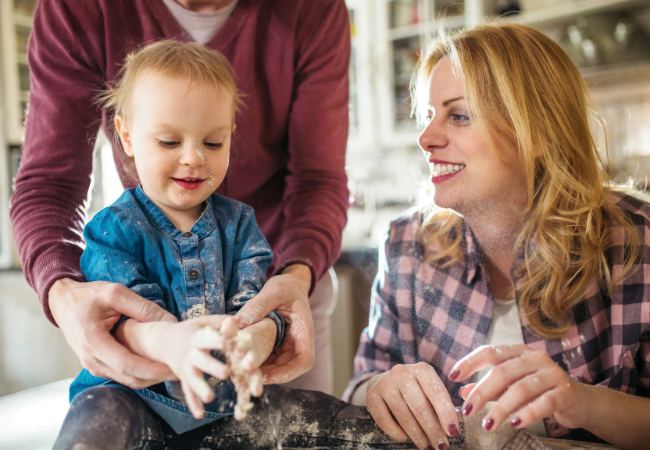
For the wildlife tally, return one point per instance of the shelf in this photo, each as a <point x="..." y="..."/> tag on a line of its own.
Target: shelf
<point x="568" y="11"/>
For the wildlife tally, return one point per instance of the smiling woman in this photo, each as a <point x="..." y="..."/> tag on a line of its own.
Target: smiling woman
<point x="524" y="225"/>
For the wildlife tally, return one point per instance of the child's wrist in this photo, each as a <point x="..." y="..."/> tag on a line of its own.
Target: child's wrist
<point x="152" y="337"/>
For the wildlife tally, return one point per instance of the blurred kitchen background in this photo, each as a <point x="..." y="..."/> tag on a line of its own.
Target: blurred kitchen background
<point x="608" y="39"/>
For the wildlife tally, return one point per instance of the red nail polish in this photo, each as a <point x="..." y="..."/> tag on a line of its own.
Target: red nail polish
<point x="453" y="430"/>
<point x="488" y="422"/>
<point x="515" y="421"/>
<point x="454" y="374"/>
<point x="467" y="409"/>
<point x="443" y="446"/>
<point x="428" y="447"/>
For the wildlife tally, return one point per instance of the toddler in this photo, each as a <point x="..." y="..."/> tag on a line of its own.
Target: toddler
<point x="176" y="242"/>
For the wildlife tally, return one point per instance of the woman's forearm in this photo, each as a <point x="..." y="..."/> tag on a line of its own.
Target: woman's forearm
<point x="621" y="419"/>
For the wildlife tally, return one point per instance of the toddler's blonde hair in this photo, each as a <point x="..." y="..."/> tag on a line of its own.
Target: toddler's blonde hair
<point x="187" y="60"/>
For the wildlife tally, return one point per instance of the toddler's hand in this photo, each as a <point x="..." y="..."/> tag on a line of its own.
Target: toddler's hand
<point x="242" y="359"/>
<point x="190" y="361"/>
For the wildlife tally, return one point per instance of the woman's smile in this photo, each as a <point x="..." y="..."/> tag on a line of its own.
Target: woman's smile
<point x="444" y="170"/>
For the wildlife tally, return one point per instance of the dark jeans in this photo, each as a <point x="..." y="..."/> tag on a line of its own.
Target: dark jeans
<point x="112" y="417"/>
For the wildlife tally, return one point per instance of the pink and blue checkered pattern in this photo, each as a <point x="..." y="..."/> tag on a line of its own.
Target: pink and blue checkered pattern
<point x="419" y="312"/>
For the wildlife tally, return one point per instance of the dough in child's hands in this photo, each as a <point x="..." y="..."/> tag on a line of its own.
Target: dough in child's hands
<point x="237" y="351"/>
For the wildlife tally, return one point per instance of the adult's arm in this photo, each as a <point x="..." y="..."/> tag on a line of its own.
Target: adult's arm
<point x="408" y="401"/>
<point x="66" y="61"/>
<point x="47" y="208"/>
<point x="316" y="195"/>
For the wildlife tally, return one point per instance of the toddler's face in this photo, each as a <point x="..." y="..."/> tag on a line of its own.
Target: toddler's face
<point x="179" y="135"/>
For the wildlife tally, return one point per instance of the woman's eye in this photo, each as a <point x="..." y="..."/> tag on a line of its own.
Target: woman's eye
<point x="168" y="144"/>
<point x="214" y="145"/>
<point x="460" y="119"/>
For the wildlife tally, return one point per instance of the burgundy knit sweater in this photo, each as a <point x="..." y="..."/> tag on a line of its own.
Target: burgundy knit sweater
<point x="288" y="154"/>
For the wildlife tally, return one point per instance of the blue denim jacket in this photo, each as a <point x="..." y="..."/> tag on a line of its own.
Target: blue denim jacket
<point x="214" y="269"/>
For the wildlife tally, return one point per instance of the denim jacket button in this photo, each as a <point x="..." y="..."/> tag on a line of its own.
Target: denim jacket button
<point x="193" y="274"/>
<point x="187" y="235"/>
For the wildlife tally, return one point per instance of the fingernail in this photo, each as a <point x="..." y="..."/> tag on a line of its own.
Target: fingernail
<point x="515" y="421"/>
<point x="488" y="422"/>
<point x="454" y="374"/>
<point x="428" y="447"/>
<point x="443" y="446"/>
<point x="453" y="430"/>
<point x="467" y="409"/>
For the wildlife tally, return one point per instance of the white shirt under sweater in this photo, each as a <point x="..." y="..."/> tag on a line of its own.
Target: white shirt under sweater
<point x="505" y="329"/>
<point x="200" y="26"/>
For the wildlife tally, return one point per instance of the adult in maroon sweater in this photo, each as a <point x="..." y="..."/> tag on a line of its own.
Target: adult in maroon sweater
<point x="291" y="60"/>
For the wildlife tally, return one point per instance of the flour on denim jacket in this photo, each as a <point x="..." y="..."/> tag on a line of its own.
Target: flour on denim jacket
<point x="214" y="269"/>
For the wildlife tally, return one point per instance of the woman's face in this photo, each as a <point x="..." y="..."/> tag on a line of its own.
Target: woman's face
<point x="466" y="173"/>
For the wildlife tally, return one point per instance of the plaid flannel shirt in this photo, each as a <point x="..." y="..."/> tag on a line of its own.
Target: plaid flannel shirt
<point x="419" y="312"/>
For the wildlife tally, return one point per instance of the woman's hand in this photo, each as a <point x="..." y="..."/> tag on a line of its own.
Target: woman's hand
<point x="411" y="402"/>
<point x="527" y="386"/>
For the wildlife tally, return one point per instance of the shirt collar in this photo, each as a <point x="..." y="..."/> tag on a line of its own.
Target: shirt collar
<point x="201" y="228"/>
<point x="472" y="252"/>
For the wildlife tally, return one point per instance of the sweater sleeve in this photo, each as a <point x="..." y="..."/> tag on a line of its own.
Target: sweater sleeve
<point x="316" y="195"/>
<point x="47" y="208"/>
<point x="380" y="344"/>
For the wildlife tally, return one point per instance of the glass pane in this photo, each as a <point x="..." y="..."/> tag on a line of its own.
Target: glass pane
<point x="24" y="7"/>
<point x="22" y="35"/>
<point x="405" y="55"/>
<point x="23" y="74"/>
<point x="404" y="12"/>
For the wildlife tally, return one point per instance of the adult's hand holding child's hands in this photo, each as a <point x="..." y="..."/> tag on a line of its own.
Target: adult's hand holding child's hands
<point x="288" y="294"/>
<point x="86" y="314"/>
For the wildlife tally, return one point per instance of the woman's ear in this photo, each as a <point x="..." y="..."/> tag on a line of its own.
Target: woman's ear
<point x="125" y="137"/>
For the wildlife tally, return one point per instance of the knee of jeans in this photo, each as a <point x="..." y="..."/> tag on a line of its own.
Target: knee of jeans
<point x="107" y="401"/>
<point x="102" y="396"/>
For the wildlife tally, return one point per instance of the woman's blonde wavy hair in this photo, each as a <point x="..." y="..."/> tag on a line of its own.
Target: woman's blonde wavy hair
<point x="529" y="97"/>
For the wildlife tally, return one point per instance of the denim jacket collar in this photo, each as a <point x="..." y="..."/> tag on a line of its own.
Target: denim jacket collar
<point x="201" y="228"/>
